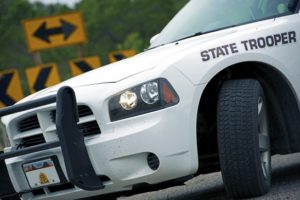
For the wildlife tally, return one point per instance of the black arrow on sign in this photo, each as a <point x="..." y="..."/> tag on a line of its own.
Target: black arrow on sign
<point x="42" y="78"/>
<point x="4" y="84"/>
<point x="43" y="33"/>
<point x="119" y="57"/>
<point x="83" y="66"/>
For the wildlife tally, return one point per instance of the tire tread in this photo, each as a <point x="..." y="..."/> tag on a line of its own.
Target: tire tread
<point x="238" y="144"/>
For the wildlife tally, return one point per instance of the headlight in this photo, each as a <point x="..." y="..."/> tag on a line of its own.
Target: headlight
<point x="128" y="100"/>
<point x="144" y="98"/>
<point x="149" y="92"/>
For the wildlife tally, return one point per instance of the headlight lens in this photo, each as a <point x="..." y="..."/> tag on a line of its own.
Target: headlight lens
<point x="149" y="92"/>
<point x="128" y="100"/>
<point x="147" y="97"/>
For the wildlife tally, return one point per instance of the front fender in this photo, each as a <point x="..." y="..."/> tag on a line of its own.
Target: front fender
<point x="199" y="72"/>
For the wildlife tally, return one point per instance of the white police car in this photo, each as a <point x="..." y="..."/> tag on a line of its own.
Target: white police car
<point x="217" y="89"/>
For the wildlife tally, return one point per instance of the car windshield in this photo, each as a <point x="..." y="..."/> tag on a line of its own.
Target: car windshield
<point x="203" y="16"/>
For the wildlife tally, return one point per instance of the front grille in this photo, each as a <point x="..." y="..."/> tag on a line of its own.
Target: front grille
<point x="83" y="111"/>
<point x="89" y="128"/>
<point x="33" y="140"/>
<point x="28" y="124"/>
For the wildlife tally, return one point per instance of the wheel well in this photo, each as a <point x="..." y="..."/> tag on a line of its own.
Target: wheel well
<point x="282" y="104"/>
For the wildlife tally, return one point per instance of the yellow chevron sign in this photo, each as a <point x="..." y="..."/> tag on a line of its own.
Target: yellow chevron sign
<point x="10" y="88"/>
<point x="42" y="76"/>
<point x="54" y="31"/>
<point x="120" y="55"/>
<point x="82" y="65"/>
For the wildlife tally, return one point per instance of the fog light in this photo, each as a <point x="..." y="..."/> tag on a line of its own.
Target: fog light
<point x="150" y="92"/>
<point x="128" y="100"/>
<point x="153" y="161"/>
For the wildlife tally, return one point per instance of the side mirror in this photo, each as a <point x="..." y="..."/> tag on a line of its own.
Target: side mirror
<point x="153" y="38"/>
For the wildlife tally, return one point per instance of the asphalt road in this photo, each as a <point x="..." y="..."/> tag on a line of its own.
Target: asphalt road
<point x="285" y="185"/>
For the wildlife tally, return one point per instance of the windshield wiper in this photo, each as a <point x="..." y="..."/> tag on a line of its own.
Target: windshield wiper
<point x="202" y="33"/>
<point x="194" y="35"/>
<point x="155" y="47"/>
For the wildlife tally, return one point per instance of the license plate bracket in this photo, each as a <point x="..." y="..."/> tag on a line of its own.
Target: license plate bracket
<point x="43" y="172"/>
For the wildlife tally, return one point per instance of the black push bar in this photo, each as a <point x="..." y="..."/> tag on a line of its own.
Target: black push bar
<point x="27" y="105"/>
<point x="78" y="164"/>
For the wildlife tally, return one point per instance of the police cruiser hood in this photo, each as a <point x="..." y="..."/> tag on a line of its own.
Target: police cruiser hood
<point x="151" y="59"/>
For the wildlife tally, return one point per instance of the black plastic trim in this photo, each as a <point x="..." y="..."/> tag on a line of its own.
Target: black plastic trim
<point x="80" y="170"/>
<point x="6" y="187"/>
<point x="28" y="150"/>
<point x="27" y="105"/>
<point x="298" y="7"/>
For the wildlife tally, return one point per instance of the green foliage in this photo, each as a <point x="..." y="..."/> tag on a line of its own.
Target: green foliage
<point x="110" y="25"/>
<point x="132" y="41"/>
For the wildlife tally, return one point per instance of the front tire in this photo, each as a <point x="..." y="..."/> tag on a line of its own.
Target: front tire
<point x="243" y="138"/>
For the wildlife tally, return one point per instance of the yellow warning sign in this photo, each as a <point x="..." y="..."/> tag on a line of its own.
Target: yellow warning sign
<point x="120" y="55"/>
<point x="43" y="178"/>
<point x="82" y="65"/>
<point x="10" y="88"/>
<point x="54" y="31"/>
<point x="42" y="76"/>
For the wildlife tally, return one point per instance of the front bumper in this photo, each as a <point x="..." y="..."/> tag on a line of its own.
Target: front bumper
<point x="80" y="173"/>
<point x="120" y="154"/>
